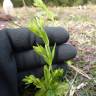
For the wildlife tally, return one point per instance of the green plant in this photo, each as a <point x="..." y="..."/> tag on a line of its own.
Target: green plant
<point x="50" y="84"/>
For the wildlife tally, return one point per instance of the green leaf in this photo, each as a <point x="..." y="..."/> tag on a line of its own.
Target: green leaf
<point x="39" y="50"/>
<point x="57" y="73"/>
<point x="32" y="79"/>
<point x="53" y="51"/>
<point x="48" y="52"/>
<point x="46" y="59"/>
<point x="37" y="27"/>
<point x="50" y="93"/>
<point x="62" y="89"/>
<point x="33" y="27"/>
<point x="41" y="21"/>
<point x="69" y="62"/>
<point x="38" y="83"/>
<point x="28" y="79"/>
<point x="47" y="76"/>
<point x="45" y="37"/>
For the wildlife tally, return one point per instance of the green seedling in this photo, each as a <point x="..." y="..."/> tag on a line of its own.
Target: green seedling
<point x="50" y="84"/>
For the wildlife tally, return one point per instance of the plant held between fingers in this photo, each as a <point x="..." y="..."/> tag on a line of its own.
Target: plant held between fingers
<point x="50" y="84"/>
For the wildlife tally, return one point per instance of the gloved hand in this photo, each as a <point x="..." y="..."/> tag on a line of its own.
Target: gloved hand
<point x="17" y="57"/>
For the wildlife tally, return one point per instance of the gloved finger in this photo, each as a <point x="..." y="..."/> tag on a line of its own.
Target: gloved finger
<point x="57" y="34"/>
<point x="22" y="39"/>
<point x="8" y="80"/>
<point x="29" y="59"/>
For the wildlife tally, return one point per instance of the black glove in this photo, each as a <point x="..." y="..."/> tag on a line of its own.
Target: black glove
<point x="17" y="55"/>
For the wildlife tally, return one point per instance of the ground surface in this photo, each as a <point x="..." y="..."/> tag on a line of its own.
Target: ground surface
<point x="81" y="25"/>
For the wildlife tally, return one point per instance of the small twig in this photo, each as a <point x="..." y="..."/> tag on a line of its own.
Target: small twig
<point x="81" y="85"/>
<point x="79" y="71"/>
<point x="74" y="78"/>
<point x="72" y="89"/>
